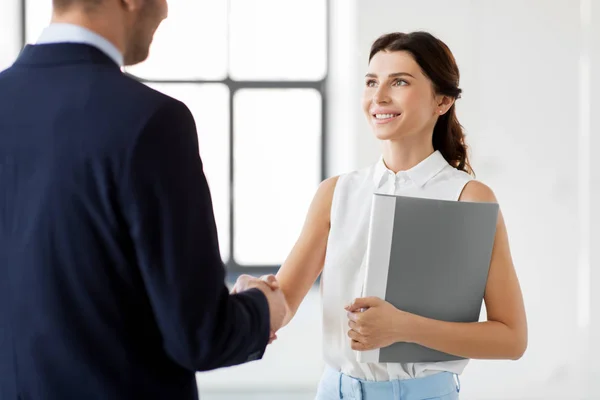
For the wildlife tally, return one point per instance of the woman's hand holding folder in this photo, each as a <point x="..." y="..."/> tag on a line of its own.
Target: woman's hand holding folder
<point x="379" y="325"/>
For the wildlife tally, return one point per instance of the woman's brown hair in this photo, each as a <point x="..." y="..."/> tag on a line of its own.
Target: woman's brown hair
<point x="438" y="64"/>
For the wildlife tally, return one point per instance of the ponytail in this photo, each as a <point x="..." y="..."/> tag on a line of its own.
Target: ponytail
<point x="449" y="139"/>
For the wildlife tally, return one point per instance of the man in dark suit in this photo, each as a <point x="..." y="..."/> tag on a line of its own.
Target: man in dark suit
<point x="111" y="280"/>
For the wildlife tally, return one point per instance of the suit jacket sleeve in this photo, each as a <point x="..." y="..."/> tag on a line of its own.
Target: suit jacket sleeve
<point x="169" y="211"/>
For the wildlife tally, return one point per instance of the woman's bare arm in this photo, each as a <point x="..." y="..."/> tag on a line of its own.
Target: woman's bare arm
<point x="305" y="262"/>
<point x="504" y="334"/>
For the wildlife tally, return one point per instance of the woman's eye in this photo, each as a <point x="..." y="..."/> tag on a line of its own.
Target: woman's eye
<point x="400" y="82"/>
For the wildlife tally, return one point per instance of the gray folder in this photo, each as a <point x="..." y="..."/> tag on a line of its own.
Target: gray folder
<point x="428" y="257"/>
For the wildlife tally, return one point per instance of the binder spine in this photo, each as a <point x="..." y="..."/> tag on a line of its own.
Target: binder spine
<point x="379" y="246"/>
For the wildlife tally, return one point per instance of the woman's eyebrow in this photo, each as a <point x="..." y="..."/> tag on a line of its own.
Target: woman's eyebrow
<point x="395" y="74"/>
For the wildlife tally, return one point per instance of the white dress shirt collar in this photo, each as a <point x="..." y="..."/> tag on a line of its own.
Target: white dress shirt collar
<point x="420" y="174"/>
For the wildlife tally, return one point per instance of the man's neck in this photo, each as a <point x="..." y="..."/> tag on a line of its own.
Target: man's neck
<point x="103" y="25"/>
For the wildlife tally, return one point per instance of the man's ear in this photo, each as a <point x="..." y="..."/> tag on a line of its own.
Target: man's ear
<point x="132" y="5"/>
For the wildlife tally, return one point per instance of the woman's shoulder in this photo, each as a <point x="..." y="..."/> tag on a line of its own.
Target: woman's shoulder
<point x="325" y="192"/>
<point x="478" y="191"/>
<point x="327" y="186"/>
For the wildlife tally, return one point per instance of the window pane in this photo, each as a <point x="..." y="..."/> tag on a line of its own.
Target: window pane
<point x="209" y="103"/>
<point x="278" y="40"/>
<point x="276" y="170"/>
<point x="38" y="15"/>
<point x="190" y="44"/>
<point x="10" y="36"/>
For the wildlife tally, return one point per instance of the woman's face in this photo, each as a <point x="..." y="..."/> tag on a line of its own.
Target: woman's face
<point x="398" y="99"/>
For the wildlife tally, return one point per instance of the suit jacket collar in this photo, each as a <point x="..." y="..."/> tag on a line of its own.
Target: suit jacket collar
<point x="63" y="53"/>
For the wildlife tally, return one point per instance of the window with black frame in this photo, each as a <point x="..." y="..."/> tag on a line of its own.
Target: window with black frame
<point x="253" y="73"/>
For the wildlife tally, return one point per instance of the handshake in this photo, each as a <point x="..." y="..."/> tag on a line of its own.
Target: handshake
<point x="278" y="308"/>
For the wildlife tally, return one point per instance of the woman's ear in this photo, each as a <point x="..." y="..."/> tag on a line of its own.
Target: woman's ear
<point x="443" y="104"/>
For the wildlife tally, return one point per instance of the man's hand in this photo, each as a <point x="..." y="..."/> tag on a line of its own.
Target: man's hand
<point x="278" y="307"/>
<point x="245" y="282"/>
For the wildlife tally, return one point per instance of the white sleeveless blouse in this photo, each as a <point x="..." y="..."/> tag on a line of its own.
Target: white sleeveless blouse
<point x="343" y="273"/>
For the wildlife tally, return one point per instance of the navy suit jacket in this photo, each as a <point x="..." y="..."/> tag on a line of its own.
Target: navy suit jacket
<point x="111" y="280"/>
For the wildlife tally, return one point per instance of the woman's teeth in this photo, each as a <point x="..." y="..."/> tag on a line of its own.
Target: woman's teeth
<point x="385" y="116"/>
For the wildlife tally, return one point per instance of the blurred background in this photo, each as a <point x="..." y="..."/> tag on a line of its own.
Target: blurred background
<point x="275" y="85"/>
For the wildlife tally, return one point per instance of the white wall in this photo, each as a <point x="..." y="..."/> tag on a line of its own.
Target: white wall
<point x="10" y="32"/>
<point x="593" y="35"/>
<point x="343" y="87"/>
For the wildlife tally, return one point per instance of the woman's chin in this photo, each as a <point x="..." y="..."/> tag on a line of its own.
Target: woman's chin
<point x="382" y="134"/>
<point x="396" y="134"/>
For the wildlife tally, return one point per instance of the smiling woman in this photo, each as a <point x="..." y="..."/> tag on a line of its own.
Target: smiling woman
<point x="410" y="89"/>
<point x="411" y="85"/>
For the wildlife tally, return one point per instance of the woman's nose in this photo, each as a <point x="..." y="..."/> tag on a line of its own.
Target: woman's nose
<point x="381" y="96"/>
